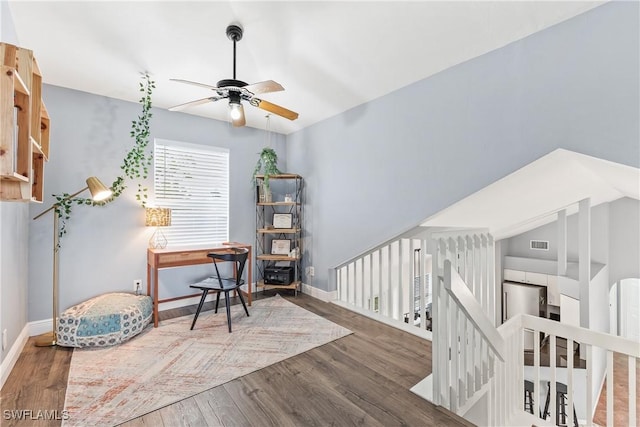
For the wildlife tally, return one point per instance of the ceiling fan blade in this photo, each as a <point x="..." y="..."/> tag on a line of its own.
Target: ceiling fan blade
<point x="273" y="108"/>
<point x="264" y="87"/>
<point x="189" y="82"/>
<point x="192" y="103"/>
<point x="240" y="120"/>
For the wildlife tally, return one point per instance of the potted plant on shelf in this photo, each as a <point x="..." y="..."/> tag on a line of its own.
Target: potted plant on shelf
<point x="266" y="165"/>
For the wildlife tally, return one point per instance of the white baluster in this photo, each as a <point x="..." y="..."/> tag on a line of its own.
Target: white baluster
<point x="502" y="366"/>
<point x="478" y="283"/>
<point x="371" y="296"/>
<point x="491" y="285"/>
<point x="632" y="391"/>
<point x="610" y="407"/>
<point x="589" y="359"/>
<point x="453" y="340"/>
<point x="362" y="298"/>
<point x="536" y="376"/>
<point x="401" y="282"/>
<point x="519" y="370"/>
<point x="421" y="290"/>
<point x="552" y="368"/>
<point x="462" y="377"/>
<point x="380" y="281"/>
<point x="477" y="360"/>
<point x="570" y="381"/>
<point x="445" y="344"/>
<point x="437" y="341"/>
<point x="389" y="298"/>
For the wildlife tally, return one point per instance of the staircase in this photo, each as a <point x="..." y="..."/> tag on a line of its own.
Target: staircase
<point x="478" y="365"/>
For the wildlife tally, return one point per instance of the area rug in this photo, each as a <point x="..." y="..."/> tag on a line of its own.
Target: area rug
<point x="163" y="365"/>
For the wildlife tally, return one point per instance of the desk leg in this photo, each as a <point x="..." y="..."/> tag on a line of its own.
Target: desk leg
<point x="148" y="279"/>
<point x="152" y="275"/>
<point x="249" y="277"/>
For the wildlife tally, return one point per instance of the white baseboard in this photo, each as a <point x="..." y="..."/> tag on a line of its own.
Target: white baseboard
<point x="13" y="354"/>
<point x="325" y="296"/>
<point x="39" y="327"/>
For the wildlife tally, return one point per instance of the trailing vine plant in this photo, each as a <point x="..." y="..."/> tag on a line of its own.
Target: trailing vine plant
<point x="135" y="165"/>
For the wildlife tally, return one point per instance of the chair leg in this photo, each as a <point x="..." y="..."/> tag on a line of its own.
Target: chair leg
<point x="204" y="295"/>
<point x="243" y="304"/>
<point x="217" y="302"/>
<point x="546" y="405"/>
<point x="228" y="303"/>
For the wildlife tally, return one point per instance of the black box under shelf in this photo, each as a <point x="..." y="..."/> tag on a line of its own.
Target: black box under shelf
<point x="278" y="275"/>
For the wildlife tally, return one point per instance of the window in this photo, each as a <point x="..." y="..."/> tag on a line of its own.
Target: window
<point x="192" y="180"/>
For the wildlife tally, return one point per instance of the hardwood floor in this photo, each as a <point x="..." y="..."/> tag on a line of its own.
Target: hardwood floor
<point x="361" y="379"/>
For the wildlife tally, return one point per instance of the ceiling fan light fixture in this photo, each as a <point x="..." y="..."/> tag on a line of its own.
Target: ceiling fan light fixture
<point x="235" y="110"/>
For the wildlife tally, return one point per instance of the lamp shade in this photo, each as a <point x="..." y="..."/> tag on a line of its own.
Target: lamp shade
<point x="99" y="191"/>
<point x="157" y="217"/>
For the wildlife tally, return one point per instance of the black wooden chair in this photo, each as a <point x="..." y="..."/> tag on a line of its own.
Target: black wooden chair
<point x="221" y="284"/>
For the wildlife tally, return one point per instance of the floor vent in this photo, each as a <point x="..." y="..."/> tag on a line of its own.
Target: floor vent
<point x="541" y="245"/>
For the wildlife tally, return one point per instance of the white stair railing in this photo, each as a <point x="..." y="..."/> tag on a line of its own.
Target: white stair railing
<point x="463" y="371"/>
<point x="505" y="381"/>
<point x="391" y="283"/>
<point x="472" y="357"/>
<point x="462" y="350"/>
<point x="583" y="384"/>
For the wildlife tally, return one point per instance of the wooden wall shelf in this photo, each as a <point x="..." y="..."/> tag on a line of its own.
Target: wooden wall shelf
<point x="24" y="126"/>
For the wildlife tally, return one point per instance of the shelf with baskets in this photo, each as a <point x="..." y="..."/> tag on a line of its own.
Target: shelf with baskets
<point x="279" y="210"/>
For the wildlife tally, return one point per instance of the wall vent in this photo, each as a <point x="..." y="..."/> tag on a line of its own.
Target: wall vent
<point x="540" y="245"/>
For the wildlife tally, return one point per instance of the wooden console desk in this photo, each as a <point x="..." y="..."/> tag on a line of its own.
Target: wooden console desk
<point x="182" y="257"/>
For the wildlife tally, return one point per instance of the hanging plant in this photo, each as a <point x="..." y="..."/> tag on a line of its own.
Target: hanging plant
<point x="266" y="165"/>
<point x="135" y="165"/>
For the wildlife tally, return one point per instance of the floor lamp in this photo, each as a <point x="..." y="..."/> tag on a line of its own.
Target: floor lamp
<point x="99" y="192"/>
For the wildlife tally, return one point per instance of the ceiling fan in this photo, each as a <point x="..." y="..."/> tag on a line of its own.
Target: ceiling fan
<point x="237" y="91"/>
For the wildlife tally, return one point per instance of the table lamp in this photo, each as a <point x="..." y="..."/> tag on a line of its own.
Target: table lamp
<point x="99" y="192"/>
<point x="157" y="217"/>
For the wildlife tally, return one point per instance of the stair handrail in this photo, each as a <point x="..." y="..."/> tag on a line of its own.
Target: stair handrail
<point x="583" y="335"/>
<point x="467" y="303"/>
<point x="410" y="233"/>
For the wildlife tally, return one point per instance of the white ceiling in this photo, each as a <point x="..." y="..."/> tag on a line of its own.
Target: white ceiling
<point x="330" y="56"/>
<point x="532" y="195"/>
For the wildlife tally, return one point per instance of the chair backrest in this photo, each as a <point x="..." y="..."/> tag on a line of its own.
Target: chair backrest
<point x="236" y="255"/>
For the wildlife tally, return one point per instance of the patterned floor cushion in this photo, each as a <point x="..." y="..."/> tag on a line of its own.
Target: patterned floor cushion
<point x="104" y="320"/>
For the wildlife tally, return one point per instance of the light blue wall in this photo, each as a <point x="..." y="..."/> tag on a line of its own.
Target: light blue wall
<point x="382" y="167"/>
<point x="105" y="247"/>
<point x="7" y="28"/>
<point x="14" y="232"/>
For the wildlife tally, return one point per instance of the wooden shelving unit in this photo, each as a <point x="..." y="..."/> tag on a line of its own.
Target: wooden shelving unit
<point x="282" y="184"/>
<point x="24" y="126"/>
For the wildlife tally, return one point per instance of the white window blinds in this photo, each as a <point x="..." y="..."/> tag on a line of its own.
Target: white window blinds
<point x="192" y="180"/>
